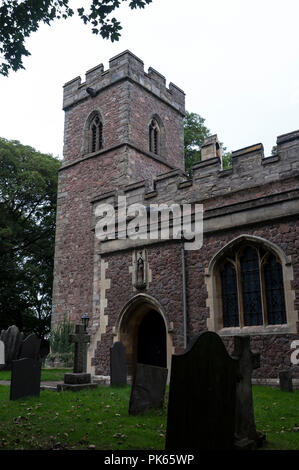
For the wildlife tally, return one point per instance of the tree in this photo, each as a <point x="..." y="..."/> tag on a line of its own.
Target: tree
<point x="28" y="193"/>
<point x="195" y="132"/>
<point x="18" y="19"/>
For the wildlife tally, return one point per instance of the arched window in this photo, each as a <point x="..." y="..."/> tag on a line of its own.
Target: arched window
<point x="274" y="291"/>
<point x="95" y="134"/>
<point x="252" y="290"/>
<point x="229" y="295"/>
<point x="154" y="137"/>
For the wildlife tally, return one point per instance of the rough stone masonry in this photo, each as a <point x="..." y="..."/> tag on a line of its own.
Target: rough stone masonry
<point x="244" y="279"/>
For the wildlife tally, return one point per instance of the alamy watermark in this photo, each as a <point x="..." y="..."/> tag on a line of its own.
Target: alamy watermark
<point x="153" y="222"/>
<point x="295" y="354"/>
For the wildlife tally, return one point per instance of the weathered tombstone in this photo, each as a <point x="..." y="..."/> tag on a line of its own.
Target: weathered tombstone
<point x="2" y="354"/>
<point x="148" y="388"/>
<point x="246" y="435"/>
<point x="79" y="379"/>
<point x="202" y="397"/>
<point x="44" y="348"/>
<point x="12" y="339"/>
<point x="285" y="381"/>
<point x="118" y="368"/>
<point x="25" y="378"/>
<point x="30" y="347"/>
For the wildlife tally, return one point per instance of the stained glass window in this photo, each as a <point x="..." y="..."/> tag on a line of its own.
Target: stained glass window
<point x="253" y="298"/>
<point x="229" y="296"/>
<point x="251" y="288"/>
<point x="274" y="291"/>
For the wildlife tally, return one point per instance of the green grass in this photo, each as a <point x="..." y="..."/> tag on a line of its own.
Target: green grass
<point x="78" y="420"/>
<point x="99" y="419"/>
<point x="277" y="414"/>
<point x="47" y="374"/>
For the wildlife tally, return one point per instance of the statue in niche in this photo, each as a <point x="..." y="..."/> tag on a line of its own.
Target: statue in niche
<point x="140" y="273"/>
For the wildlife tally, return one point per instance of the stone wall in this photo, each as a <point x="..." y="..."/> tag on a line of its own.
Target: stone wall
<point x="125" y="98"/>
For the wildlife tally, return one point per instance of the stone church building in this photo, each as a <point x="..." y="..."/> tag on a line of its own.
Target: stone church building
<point x="124" y="136"/>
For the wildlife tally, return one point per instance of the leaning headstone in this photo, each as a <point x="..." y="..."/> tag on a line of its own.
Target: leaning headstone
<point x="12" y="339"/>
<point x="25" y="378"/>
<point x="285" y="381"/>
<point x="30" y="347"/>
<point x="148" y="388"/>
<point x="246" y="435"/>
<point x="79" y="379"/>
<point x="2" y="354"/>
<point x="118" y="367"/>
<point x="202" y="397"/>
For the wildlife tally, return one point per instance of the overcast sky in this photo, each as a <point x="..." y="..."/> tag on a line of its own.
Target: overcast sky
<point x="237" y="61"/>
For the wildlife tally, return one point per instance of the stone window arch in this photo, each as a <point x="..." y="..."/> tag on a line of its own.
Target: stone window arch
<point x="93" y="140"/>
<point x="156" y="136"/>
<point x="249" y="287"/>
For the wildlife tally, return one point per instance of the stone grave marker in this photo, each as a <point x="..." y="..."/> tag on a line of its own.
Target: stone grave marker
<point x="202" y="397"/>
<point x="30" y="347"/>
<point x="118" y="367"/>
<point x="246" y="435"/>
<point x="148" y="388"/>
<point x="44" y="348"/>
<point x="25" y="378"/>
<point x="285" y="381"/>
<point x="79" y="379"/>
<point x="12" y="339"/>
<point x="2" y="354"/>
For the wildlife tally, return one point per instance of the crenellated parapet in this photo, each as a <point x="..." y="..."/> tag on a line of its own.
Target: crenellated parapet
<point x="123" y="66"/>
<point x="250" y="169"/>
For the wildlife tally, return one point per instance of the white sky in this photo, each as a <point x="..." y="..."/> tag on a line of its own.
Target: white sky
<point x="237" y="61"/>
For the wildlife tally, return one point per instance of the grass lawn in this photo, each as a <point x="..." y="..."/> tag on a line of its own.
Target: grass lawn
<point x="47" y="374"/>
<point x="99" y="419"/>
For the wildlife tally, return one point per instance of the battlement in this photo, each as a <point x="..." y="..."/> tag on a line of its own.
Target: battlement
<point x="123" y="66"/>
<point x="250" y="169"/>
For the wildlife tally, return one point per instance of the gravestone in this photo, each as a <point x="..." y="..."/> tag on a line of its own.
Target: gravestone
<point x="12" y="339"/>
<point x="25" y="378"/>
<point x="246" y="435"/>
<point x="80" y="338"/>
<point x="118" y="368"/>
<point x="44" y="348"/>
<point x="202" y="397"/>
<point x="30" y="347"/>
<point x="285" y="381"/>
<point x="148" y="388"/>
<point x="2" y="354"/>
<point x="79" y="379"/>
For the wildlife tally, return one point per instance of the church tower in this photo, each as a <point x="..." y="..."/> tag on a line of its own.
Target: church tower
<point x="122" y="125"/>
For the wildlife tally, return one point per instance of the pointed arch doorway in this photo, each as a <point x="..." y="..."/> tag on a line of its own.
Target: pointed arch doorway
<point x="143" y="330"/>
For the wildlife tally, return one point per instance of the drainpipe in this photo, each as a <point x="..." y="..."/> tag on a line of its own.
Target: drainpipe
<point x="184" y="292"/>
